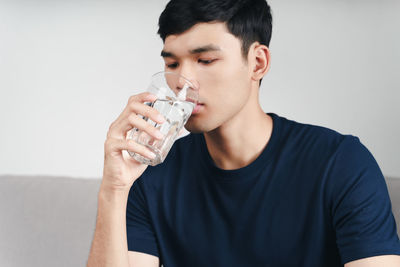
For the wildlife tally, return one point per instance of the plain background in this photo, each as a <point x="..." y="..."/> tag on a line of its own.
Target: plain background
<point x="67" y="69"/>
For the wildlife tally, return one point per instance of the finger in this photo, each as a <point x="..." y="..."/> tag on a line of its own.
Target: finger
<point x="116" y="146"/>
<point x="142" y="97"/>
<point x="142" y="125"/>
<point x="130" y="119"/>
<point x="145" y="111"/>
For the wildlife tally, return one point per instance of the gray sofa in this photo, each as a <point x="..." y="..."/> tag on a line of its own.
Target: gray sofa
<point x="49" y="221"/>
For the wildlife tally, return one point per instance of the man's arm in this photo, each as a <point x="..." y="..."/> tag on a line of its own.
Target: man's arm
<point x="138" y="259"/>
<point x="109" y="247"/>
<point x="377" y="261"/>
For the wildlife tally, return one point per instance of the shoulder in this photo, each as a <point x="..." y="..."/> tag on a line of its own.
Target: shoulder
<point x="315" y="141"/>
<point x="330" y="154"/>
<point x="353" y="166"/>
<point x="345" y="151"/>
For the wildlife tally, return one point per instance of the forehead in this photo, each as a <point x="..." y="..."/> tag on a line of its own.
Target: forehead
<point x="202" y="34"/>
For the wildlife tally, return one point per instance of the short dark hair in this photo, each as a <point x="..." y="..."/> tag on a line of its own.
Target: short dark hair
<point x="248" y="20"/>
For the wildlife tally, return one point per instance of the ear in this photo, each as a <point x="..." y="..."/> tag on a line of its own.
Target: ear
<point x="261" y="61"/>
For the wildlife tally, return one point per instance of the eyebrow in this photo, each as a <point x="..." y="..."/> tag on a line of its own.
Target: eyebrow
<point x="198" y="50"/>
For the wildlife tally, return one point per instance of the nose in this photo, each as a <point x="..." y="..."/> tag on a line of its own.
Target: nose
<point x="183" y="80"/>
<point x="188" y="89"/>
<point x="185" y="85"/>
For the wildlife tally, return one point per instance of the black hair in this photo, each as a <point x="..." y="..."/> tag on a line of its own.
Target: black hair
<point x="248" y="20"/>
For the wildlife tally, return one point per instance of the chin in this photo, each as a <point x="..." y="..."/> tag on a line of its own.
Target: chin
<point x="192" y="129"/>
<point x="198" y="125"/>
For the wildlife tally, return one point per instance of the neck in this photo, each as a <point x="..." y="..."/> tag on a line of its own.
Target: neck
<point x="232" y="147"/>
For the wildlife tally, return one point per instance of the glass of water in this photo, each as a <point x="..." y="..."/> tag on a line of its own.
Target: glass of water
<point x="176" y="98"/>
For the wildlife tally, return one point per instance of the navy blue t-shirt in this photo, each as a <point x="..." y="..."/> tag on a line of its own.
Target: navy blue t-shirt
<point x="314" y="197"/>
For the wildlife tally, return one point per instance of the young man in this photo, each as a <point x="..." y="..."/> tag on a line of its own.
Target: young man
<point x="244" y="188"/>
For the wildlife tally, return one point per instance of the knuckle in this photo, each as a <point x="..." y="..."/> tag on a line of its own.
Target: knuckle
<point x="131" y="143"/>
<point x="109" y="133"/>
<point x="132" y="119"/>
<point x="133" y="106"/>
<point x="151" y="129"/>
<point x="132" y="98"/>
<point x="111" y="126"/>
<point x="152" y="112"/>
<point x="109" y="142"/>
<point x="146" y="94"/>
<point x="107" y="145"/>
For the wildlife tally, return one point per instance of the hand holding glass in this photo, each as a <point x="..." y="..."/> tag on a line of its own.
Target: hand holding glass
<point x="176" y="98"/>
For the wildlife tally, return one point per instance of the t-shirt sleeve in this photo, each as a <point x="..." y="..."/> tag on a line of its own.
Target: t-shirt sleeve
<point x="139" y="228"/>
<point x="361" y="208"/>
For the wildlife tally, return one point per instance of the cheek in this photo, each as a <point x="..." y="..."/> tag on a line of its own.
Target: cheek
<point x="222" y="77"/>
<point x="225" y="85"/>
<point x="234" y="82"/>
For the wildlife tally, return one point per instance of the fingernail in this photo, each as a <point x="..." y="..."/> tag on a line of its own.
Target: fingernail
<point x="151" y="155"/>
<point x="160" y="118"/>
<point x="159" y="135"/>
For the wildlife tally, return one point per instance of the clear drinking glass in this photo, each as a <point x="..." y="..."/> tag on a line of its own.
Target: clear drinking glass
<point x="176" y="98"/>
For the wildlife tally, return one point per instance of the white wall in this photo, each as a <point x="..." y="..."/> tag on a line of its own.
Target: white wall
<point x="67" y="69"/>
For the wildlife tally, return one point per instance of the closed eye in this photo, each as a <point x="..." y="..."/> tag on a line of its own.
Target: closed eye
<point x="206" y="62"/>
<point x="172" y="66"/>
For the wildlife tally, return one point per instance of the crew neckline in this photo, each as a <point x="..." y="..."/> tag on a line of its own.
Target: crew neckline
<point x="254" y="167"/>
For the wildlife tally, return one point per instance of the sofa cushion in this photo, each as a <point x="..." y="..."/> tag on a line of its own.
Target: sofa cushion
<point x="46" y="221"/>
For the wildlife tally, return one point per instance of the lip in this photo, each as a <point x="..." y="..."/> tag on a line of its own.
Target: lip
<point x="197" y="108"/>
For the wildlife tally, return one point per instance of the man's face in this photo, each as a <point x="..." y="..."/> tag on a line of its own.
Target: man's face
<point x="211" y="57"/>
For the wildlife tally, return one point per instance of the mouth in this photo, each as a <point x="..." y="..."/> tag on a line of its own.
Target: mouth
<point x="197" y="108"/>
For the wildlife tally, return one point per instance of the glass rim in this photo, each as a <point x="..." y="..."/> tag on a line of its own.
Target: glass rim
<point x="176" y="74"/>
